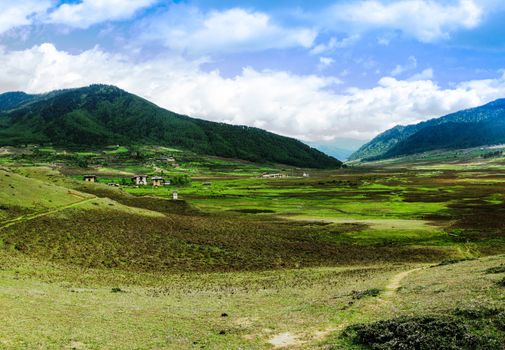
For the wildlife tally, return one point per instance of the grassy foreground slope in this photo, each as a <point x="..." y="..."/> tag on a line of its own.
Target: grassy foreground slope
<point x="53" y="307"/>
<point x="101" y="115"/>
<point x="22" y="195"/>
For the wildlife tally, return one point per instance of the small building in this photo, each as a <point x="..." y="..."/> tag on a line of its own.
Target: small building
<point x="89" y="178"/>
<point x="306" y="175"/>
<point x="157" y="181"/>
<point x="139" y="179"/>
<point x="166" y="159"/>
<point x="175" y="195"/>
<point x="167" y="183"/>
<point x="272" y="176"/>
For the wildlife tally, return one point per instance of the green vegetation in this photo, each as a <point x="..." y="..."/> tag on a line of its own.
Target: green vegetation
<point x="99" y="115"/>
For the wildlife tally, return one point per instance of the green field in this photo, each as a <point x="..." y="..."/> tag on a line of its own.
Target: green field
<point x="240" y="261"/>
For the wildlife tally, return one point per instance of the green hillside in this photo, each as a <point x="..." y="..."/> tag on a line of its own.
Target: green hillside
<point x="102" y="115"/>
<point x="473" y="127"/>
<point x="11" y="100"/>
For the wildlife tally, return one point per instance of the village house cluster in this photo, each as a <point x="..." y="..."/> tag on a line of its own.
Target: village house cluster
<point x="278" y="175"/>
<point x="138" y="180"/>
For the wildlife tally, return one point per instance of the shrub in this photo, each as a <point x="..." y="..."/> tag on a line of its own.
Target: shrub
<point x="358" y="294"/>
<point x="476" y="313"/>
<point x="496" y="269"/>
<point x="420" y="333"/>
<point x="454" y="261"/>
<point x="500" y="321"/>
<point x="82" y="163"/>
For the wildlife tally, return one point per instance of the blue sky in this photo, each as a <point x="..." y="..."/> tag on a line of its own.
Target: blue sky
<point x="321" y="71"/>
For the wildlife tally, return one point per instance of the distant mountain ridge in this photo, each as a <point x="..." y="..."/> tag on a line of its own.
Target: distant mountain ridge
<point x="11" y="100"/>
<point x="104" y="115"/>
<point x="484" y="125"/>
<point x="340" y="148"/>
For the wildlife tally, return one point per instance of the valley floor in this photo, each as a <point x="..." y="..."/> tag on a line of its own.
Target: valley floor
<point x="244" y="262"/>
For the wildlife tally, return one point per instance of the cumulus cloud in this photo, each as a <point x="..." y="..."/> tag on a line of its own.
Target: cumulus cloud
<point x="88" y="12"/>
<point x="425" y="20"/>
<point x="188" y="29"/>
<point x="308" y="107"/>
<point x="20" y="12"/>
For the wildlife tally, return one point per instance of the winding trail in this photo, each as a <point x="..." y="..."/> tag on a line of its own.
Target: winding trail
<point x="289" y="340"/>
<point x="28" y="217"/>
<point x="395" y="282"/>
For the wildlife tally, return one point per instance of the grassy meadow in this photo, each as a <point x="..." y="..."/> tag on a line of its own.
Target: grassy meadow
<point x="245" y="262"/>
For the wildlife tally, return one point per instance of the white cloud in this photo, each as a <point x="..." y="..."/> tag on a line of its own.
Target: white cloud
<point x="425" y="20"/>
<point x="187" y="29"/>
<point x="334" y="44"/>
<point x="303" y="106"/>
<point x="20" y="12"/>
<point x="426" y="74"/>
<point x="325" y="62"/>
<point x="88" y="12"/>
<point x="410" y="65"/>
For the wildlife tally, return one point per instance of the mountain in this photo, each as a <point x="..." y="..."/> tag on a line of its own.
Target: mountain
<point x="484" y="125"/>
<point x="11" y="100"/>
<point x="340" y="148"/>
<point x="103" y="115"/>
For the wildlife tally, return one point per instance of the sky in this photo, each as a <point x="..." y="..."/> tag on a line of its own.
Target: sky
<point x="320" y="71"/>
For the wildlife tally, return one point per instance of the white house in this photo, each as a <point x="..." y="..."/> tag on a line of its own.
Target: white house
<point x="157" y="181"/>
<point x="89" y="178"/>
<point x="272" y="176"/>
<point x="140" y="179"/>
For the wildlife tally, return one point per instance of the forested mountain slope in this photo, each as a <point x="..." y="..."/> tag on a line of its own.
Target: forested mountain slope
<point x="478" y="126"/>
<point x="103" y="115"/>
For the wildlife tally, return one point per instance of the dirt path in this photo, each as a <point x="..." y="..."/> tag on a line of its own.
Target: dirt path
<point x="395" y="282"/>
<point x="289" y="340"/>
<point x="283" y="340"/>
<point x="28" y="217"/>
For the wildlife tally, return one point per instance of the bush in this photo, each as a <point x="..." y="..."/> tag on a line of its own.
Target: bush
<point x="499" y="321"/>
<point x="476" y="313"/>
<point x="420" y="333"/>
<point x="454" y="261"/>
<point x="180" y="180"/>
<point x="82" y="163"/>
<point x="496" y="269"/>
<point x="358" y="294"/>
